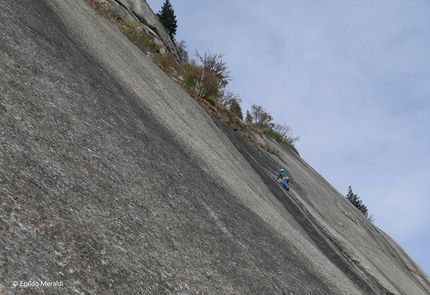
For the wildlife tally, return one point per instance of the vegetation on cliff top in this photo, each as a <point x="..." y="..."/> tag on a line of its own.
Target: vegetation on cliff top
<point x="204" y="77"/>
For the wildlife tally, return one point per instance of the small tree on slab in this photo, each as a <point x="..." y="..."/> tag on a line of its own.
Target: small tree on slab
<point x="248" y="117"/>
<point x="214" y="75"/>
<point x="232" y="102"/>
<point x="260" y="116"/>
<point x="356" y="201"/>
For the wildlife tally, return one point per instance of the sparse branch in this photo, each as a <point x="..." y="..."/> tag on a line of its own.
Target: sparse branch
<point x="286" y="132"/>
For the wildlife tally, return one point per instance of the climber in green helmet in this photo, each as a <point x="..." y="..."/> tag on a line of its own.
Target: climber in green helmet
<point x="284" y="179"/>
<point x="281" y="175"/>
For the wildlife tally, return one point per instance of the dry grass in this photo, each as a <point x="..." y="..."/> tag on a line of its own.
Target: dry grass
<point x="165" y="62"/>
<point x="132" y="30"/>
<point x="107" y="12"/>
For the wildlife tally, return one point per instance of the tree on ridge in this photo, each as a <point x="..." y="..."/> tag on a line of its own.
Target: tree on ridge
<point x="168" y="18"/>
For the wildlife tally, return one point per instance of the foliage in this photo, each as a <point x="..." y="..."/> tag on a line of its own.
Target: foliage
<point x="248" y="117"/>
<point x="168" y="18"/>
<point x="260" y="129"/>
<point x="285" y="132"/>
<point x="232" y="102"/>
<point x="356" y="201"/>
<point x="165" y="62"/>
<point x="236" y="109"/>
<point x="135" y="33"/>
<point x="189" y="73"/>
<point x="260" y="121"/>
<point x="207" y="76"/>
<point x="214" y="75"/>
<point x="182" y="50"/>
<point x="208" y="85"/>
<point x="204" y="78"/>
<point x="260" y="116"/>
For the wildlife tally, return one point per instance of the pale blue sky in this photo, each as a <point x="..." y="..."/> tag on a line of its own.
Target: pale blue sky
<point x="351" y="78"/>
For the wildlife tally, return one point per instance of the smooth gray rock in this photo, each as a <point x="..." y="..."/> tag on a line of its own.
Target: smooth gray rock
<point x="139" y="10"/>
<point x="114" y="181"/>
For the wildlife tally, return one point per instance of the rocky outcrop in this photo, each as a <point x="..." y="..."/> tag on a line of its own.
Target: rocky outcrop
<point x="114" y="181"/>
<point x="139" y="10"/>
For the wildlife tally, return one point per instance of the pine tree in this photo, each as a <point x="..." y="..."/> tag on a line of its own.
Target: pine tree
<point x="168" y="18"/>
<point x="249" y="117"/>
<point x="236" y="109"/>
<point x="356" y="201"/>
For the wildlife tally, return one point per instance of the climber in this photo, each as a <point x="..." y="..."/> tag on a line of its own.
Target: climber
<point x="281" y="175"/>
<point x="284" y="178"/>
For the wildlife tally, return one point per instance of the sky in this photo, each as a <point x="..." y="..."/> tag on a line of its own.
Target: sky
<point x="352" y="80"/>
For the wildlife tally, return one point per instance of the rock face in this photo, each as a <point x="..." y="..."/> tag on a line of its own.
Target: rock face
<point x="139" y="10"/>
<point x="114" y="181"/>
